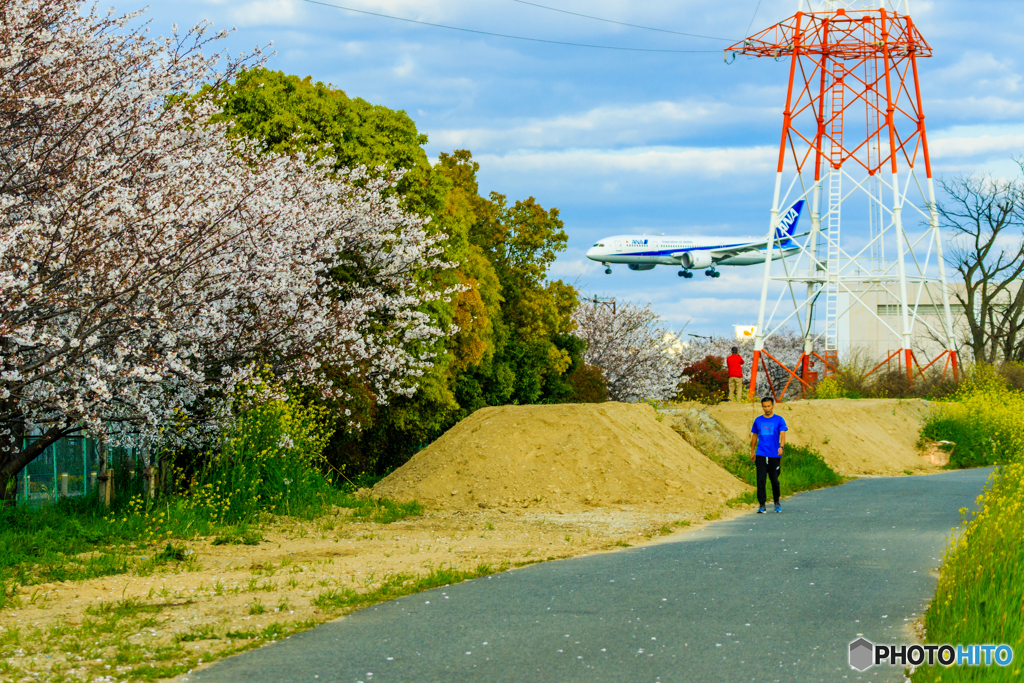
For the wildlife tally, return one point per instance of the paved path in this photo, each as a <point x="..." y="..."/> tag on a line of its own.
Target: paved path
<point x="757" y="598"/>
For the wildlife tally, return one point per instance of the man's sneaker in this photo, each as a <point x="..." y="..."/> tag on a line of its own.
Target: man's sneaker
<point x="778" y="508"/>
<point x="761" y="510"/>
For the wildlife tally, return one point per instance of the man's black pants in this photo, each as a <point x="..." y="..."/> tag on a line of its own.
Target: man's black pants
<point x="767" y="468"/>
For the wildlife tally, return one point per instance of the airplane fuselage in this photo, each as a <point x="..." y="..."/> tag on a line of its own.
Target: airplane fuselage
<point x="667" y="250"/>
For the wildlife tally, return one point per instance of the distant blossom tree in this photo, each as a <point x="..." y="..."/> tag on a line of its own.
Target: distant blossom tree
<point x="786" y="345"/>
<point x="631" y="349"/>
<point x="149" y="265"/>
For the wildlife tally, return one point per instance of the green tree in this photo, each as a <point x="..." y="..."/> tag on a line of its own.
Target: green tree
<point x="292" y="114"/>
<point x="513" y="343"/>
<point x="532" y="348"/>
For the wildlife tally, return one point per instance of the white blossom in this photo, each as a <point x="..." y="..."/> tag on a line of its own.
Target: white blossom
<point x="149" y="265"/>
<point x="630" y="348"/>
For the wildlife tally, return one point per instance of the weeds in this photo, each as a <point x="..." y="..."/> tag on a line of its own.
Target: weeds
<point x="857" y="377"/>
<point x="982" y="423"/>
<point x="238" y="537"/>
<point x="121" y="609"/>
<point x="78" y="539"/>
<point x="977" y="599"/>
<point x="380" y="510"/>
<point x="396" y="586"/>
<point x="802" y="470"/>
<point x="978" y="596"/>
<point x="206" y="632"/>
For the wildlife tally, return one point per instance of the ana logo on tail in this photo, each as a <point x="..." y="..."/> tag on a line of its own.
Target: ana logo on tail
<point x="787" y="224"/>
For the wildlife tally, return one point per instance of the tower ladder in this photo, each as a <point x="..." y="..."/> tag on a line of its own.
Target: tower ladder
<point x="835" y="202"/>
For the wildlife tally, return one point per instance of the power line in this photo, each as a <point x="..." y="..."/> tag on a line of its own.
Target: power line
<point x="504" y="35"/>
<point x="753" y="17"/>
<point x="620" y="23"/>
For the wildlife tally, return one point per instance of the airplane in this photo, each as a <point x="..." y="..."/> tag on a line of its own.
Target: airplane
<point x="689" y="252"/>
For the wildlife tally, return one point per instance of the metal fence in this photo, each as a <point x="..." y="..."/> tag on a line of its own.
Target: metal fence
<point x="69" y="468"/>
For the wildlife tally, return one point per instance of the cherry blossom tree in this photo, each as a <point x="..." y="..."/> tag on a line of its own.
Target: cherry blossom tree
<point x="149" y="265"/>
<point x="630" y="347"/>
<point x="786" y="345"/>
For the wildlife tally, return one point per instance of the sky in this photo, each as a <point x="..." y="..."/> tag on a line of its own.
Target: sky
<point x="623" y="141"/>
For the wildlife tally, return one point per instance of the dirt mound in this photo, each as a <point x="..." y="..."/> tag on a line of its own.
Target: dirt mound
<point x="854" y="436"/>
<point x="562" y="458"/>
<point x="709" y="436"/>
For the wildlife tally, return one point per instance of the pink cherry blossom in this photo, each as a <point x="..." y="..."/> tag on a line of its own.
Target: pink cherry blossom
<point x="148" y="264"/>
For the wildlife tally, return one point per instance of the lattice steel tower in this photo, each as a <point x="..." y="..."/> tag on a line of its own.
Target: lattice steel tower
<point x="853" y="130"/>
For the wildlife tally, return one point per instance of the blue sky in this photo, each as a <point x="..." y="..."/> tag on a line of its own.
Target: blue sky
<point x="624" y="141"/>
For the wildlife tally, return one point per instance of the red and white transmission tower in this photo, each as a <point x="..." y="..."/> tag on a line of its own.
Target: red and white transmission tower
<point x="853" y="127"/>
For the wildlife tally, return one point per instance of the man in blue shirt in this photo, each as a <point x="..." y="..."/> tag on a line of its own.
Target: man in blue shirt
<point x="767" y="438"/>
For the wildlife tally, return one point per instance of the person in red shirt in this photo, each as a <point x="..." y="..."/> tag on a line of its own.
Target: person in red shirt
<point x="735" y="363"/>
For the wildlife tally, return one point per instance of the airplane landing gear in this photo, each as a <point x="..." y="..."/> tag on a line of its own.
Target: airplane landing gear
<point x="685" y="273"/>
<point x="607" y="271"/>
<point x="711" y="272"/>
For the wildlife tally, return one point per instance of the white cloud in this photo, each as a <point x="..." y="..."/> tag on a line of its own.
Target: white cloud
<point x="574" y="268"/>
<point x="961" y="142"/>
<point x="969" y="147"/>
<point x="695" y="161"/>
<point x="268" y="12"/>
<point x="979" y="71"/>
<point x="969" y="108"/>
<point x="609" y="126"/>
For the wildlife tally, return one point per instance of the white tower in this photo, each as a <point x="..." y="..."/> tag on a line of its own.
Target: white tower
<point x="854" y="146"/>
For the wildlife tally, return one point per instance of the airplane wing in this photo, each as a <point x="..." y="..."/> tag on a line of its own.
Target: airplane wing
<point x="784" y="231"/>
<point x="752" y="246"/>
<point x="729" y="252"/>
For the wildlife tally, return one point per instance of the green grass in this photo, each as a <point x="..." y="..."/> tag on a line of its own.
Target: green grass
<point x="802" y="470"/>
<point x="381" y="510"/>
<point x="78" y="539"/>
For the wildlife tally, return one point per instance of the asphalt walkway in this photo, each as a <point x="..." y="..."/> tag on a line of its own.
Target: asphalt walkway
<point x="758" y="598"/>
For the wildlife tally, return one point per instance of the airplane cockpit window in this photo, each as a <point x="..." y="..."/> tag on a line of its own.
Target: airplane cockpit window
<point x="600" y="245"/>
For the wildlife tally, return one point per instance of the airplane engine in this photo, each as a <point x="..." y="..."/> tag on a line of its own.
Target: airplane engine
<point x="642" y="266"/>
<point x="696" y="260"/>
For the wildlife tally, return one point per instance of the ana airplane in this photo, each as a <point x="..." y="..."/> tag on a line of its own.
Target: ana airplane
<point x="643" y="252"/>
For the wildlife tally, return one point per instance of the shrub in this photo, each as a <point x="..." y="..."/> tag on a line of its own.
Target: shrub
<point x="1013" y="373"/>
<point x="588" y="384"/>
<point x="830" y="387"/>
<point x="803" y="469"/>
<point x="269" y="461"/>
<point x="707" y="380"/>
<point x="982" y="420"/>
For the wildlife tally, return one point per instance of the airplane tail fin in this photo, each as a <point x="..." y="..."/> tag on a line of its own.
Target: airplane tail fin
<point x="787" y="224"/>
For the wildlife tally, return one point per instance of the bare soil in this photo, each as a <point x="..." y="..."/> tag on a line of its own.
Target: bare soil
<point x="854" y="436"/>
<point x="201" y="610"/>
<point x="563" y="458"/>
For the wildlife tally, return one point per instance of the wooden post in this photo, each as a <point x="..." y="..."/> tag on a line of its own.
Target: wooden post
<point x="106" y="490"/>
<point x="150" y="482"/>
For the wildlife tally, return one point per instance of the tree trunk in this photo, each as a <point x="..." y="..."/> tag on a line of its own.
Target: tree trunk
<point x="14" y="458"/>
